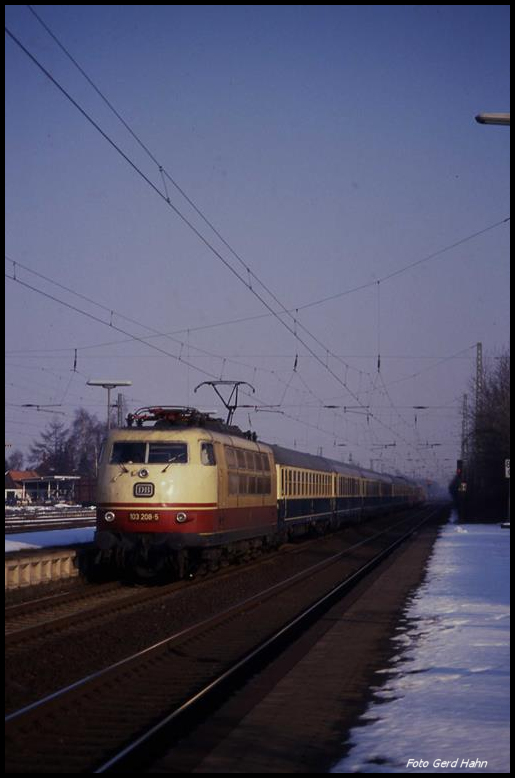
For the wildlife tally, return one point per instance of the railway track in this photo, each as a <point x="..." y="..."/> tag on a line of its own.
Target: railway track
<point x="38" y="618"/>
<point x="41" y="617"/>
<point x="34" y="619"/>
<point x="98" y="722"/>
<point x="48" y="520"/>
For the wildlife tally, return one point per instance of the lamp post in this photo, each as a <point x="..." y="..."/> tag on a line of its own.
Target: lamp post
<point x="108" y="385"/>
<point x="493" y="118"/>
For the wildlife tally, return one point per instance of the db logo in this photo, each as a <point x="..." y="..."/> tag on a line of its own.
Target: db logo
<point x="143" y="490"/>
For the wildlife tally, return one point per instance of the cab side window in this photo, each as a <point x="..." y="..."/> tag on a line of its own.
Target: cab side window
<point x="207" y="454"/>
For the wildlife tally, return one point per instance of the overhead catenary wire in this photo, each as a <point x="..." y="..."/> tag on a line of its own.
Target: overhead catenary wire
<point x="399" y="271"/>
<point x="189" y="223"/>
<point x="248" y="284"/>
<point x="177" y="211"/>
<point x="164" y="173"/>
<point x="202" y="352"/>
<point x="111" y="312"/>
<point x="163" y="197"/>
<point x="157" y="348"/>
<point x="297" y="419"/>
<point x="108" y="324"/>
<point x="250" y="273"/>
<point x="242" y="279"/>
<point x="134" y="337"/>
<point x="431" y="367"/>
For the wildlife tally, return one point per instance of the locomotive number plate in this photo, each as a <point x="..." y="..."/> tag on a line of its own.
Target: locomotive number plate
<point x="143" y="516"/>
<point x="143" y="490"/>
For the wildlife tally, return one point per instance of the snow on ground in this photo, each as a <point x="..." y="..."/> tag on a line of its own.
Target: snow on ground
<point x="46" y="538"/>
<point x="446" y="695"/>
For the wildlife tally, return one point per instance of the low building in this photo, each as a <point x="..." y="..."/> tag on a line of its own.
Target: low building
<point x="14" y="489"/>
<point x="50" y="489"/>
<point x="30" y="487"/>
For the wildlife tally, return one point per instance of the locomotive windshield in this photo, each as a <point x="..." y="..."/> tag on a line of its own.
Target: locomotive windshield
<point x="141" y="452"/>
<point x="128" y="452"/>
<point x="167" y="452"/>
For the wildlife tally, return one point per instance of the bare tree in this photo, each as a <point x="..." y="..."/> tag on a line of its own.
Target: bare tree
<point x="490" y="438"/>
<point x="14" y="461"/>
<point x="51" y="454"/>
<point x="85" y="439"/>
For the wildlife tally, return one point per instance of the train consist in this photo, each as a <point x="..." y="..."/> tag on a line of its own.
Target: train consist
<point x="180" y="490"/>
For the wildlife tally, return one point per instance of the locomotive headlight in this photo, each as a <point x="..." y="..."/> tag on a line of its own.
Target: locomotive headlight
<point x="143" y="472"/>
<point x="109" y="516"/>
<point x="181" y="518"/>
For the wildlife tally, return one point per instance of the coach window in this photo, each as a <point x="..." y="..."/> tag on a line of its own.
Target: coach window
<point x="207" y="454"/>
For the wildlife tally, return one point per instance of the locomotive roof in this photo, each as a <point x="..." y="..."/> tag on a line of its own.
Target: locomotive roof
<point x="180" y="418"/>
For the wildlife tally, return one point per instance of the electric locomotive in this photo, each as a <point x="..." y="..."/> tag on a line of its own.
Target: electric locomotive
<point x="183" y="491"/>
<point x="189" y="492"/>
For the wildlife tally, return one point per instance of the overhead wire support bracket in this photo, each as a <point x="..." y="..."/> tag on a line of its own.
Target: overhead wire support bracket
<point x="167" y="196"/>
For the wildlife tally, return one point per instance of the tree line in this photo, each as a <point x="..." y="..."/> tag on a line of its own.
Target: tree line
<point x="64" y="450"/>
<point x="488" y="446"/>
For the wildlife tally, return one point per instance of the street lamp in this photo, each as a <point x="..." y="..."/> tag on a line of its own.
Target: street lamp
<point x="108" y="385"/>
<point x="493" y="118"/>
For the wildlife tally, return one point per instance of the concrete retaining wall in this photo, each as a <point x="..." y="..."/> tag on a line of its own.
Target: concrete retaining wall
<point x="32" y="568"/>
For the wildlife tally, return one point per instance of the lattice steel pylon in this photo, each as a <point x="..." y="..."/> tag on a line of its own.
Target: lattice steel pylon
<point x="464" y="429"/>
<point x="479" y="379"/>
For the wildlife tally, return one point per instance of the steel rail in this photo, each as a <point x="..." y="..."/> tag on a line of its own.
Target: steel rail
<point x="27" y="716"/>
<point x="246" y="665"/>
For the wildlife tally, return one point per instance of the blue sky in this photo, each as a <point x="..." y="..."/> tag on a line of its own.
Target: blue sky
<point x="330" y="146"/>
